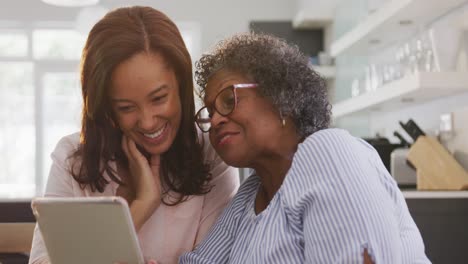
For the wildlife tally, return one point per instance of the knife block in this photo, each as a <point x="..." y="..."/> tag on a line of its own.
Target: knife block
<point x="436" y="168"/>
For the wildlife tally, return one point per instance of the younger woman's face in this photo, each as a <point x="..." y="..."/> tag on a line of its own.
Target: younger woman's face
<point x="145" y="100"/>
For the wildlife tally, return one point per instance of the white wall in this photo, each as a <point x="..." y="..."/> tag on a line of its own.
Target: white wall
<point x="218" y="18"/>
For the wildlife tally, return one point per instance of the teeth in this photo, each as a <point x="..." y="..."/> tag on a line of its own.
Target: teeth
<point x="155" y="134"/>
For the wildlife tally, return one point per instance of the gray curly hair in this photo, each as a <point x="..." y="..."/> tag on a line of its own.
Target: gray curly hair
<point x="282" y="72"/>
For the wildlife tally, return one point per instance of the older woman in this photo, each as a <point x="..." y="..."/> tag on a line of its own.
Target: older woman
<point x="317" y="195"/>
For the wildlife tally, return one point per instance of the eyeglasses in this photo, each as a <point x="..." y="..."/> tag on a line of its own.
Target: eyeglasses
<point x="225" y="103"/>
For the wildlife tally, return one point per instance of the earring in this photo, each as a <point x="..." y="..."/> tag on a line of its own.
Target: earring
<point x="283" y="120"/>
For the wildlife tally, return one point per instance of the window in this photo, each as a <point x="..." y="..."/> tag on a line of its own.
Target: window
<point x="13" y="44"/>
<point x="58" y="44"/>
<point x="17" y="130"/>
<point x="39" y="103"/>
<point x="61" y="92"/>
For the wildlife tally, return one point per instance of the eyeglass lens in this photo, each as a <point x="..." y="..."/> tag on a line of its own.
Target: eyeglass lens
<point x="203" y="119"/>
<point x="225" y="101"/>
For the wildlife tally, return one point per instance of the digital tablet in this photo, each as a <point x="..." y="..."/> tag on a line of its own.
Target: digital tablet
<point x="87" y="230"/>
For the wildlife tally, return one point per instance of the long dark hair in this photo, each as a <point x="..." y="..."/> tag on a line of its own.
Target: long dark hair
<point x="119" y="35"/>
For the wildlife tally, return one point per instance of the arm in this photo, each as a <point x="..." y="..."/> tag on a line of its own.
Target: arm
<point x="344" y="207"/>
<point x="59" y="184"/>
<point x="145" y="180"/>
<point x="339" y="230"/>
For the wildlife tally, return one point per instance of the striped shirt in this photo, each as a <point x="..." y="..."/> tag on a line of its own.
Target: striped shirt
<point x="336" y="200"/>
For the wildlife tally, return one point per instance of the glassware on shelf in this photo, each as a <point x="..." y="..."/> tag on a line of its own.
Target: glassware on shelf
<point x="428" y="60"/>
<point x="355" y="87"/>
<point x="417" y="54"/>
<point x="389" y="73"/>
<point x="373" y="77"/>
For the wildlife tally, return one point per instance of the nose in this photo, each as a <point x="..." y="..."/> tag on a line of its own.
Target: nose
<point x="146" y="119"/>
<point x="217" y="120"/>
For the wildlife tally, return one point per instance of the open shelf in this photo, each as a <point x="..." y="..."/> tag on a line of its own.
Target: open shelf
<point x="410" y="90"/>
<point x="327" y="72"/>
<point x="312" y="18"/>
<point x="390" y="22"/>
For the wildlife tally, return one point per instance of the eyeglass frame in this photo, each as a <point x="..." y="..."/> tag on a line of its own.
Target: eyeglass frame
<point x="234" y="87"/>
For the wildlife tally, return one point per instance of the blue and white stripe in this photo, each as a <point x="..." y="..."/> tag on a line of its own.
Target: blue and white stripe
<point x="336" y="199"/>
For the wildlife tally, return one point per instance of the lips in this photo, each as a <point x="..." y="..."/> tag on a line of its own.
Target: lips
<point x="224" y="138"/>
<point x="155" y="134"/>
<point x="155" y="137"/>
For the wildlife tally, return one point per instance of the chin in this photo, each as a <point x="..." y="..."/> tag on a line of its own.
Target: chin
<point x="158" y="150"/>
<point x="234" y="160"/>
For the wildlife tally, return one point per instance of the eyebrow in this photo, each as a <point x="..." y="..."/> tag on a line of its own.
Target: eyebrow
<point x="155" y="91"/>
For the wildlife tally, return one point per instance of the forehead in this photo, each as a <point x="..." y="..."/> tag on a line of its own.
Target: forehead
<point x="222" y="79"/>
<point x="140" y="73"/>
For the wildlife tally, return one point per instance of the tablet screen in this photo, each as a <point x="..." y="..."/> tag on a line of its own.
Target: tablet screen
<point x="87" y="230"/>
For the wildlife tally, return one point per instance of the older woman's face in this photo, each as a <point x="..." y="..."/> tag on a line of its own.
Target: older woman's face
<point x="250" y="131"/>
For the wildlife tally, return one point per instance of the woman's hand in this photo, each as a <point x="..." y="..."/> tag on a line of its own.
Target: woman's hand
<point x="145" y="180"/>
<point x="367" y="258"/>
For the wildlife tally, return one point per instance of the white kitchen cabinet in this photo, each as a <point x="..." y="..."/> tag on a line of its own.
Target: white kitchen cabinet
<point x="327" y="72"/>
<point x="314" y="14"/>
<point x="312" y="18"/>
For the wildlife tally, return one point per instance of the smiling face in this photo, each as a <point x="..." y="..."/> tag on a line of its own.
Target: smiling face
<point x="251" y="132"/>
<point x="145" y="101"/>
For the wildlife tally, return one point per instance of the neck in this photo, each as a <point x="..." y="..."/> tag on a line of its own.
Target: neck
<point x="272" y="168"/>
<point x="272" y="177"/>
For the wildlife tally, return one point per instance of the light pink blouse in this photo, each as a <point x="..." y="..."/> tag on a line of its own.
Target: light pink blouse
<point x="171" y="230"/>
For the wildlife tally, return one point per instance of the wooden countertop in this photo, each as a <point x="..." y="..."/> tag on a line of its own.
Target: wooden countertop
<point x="16" y="237"/>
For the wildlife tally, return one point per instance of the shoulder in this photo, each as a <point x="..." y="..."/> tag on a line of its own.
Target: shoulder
<point x="60" y="181"/>
<point x="329" y="159"/>
<point x="245" y="193"/>
<point x="68" y="144"/>
<point x="248" y="188"/>
<point x="332" y="141"/>
<point x="65" y="148"/>
<point x="236" y="208"/>
<point x="330" y="148"/>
